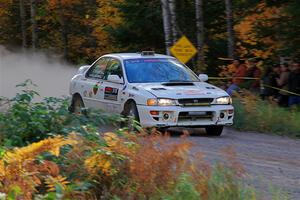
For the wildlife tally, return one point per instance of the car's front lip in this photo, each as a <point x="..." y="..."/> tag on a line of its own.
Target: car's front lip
<point x="147" y="120"/>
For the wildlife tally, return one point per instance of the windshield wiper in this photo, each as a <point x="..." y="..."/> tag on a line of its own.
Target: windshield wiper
<point x="178" y="83"/>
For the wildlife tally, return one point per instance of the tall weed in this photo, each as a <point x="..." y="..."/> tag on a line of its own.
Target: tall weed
<point x="254" y="114"/>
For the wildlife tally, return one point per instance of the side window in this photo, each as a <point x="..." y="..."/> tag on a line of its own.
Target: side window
<point x="97" y="70"/>
<point x="114" y="67"/>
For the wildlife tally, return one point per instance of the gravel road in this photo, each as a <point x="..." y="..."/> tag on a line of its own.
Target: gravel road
<point x="269" y="160"/>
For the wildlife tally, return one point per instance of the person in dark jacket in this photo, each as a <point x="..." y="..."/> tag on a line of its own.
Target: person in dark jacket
<point x="269" y="79"/>
<point x="294" y="84"/>
<point x="282" y="82"/>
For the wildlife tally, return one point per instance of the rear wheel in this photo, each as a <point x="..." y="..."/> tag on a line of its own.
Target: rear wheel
<point x="77" y="106"/>
<point x="132" y="116"/>
<point x="214" y="130"/>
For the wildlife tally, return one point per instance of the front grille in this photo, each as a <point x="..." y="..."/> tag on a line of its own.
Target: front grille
<point x="195" y="102"/>
<point x="195" y="116"/>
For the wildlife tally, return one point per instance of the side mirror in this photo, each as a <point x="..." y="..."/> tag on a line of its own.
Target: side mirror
<point x="83" y="69"/>
<point x="203" y="77"/>
<point x="114" y="78"/>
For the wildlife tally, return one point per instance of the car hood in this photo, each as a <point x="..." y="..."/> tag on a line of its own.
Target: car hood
<point x="182" y="90"/>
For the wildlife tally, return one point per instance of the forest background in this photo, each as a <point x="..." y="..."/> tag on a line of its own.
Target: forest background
<point x="81" y="31"/>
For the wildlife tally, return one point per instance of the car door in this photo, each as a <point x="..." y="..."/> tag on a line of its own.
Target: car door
<point x="112" y="91"/>
<point x="92" y="95"/>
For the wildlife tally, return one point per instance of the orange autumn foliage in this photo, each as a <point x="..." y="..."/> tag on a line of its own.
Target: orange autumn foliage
<point x="21" y="168"/>
<point x="107" y="16"/>
<point x="261" y="15"/>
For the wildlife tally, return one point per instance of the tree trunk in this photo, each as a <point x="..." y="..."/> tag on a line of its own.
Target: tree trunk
<point x="172" y="7"/>
<point x="230" y="31"/>
<point x="33" y="23"/>
<point x="200" y="33"/>
<point x="64" y="34"/>
<point x="23" y="23"/>
<point x="166" y="24"/>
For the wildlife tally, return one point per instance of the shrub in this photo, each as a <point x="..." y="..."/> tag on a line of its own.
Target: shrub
<point x="25" y="121"/>
<point x="22" y="172"/>
<point x="155" y="167"/>
<point x="122" y="166"/>
<point x="254" y="114"/>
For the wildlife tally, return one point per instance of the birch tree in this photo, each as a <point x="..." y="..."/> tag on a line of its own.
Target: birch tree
<point x="23" y="23"/>
<point x="166" y="25"/>
<point x="230" y="31"/>
<point x="173" y="17"/>
<point x="33" y="23"/>
<point x="200" y="31"/>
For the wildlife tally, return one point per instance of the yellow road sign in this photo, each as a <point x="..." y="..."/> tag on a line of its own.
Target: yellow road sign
<point x="183" y="50"/>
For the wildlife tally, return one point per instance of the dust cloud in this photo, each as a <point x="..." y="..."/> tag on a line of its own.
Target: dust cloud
<point x="49" y="73"/>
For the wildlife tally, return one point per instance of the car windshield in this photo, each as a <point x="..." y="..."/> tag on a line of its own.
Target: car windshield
<point x="157" y="70"/>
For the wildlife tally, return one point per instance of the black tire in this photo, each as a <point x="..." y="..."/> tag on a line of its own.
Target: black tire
<point x="77" y="106"/>
<point x="214" y="130"/>
<point x="162" y="130"/>
<point x="131" y="114"/>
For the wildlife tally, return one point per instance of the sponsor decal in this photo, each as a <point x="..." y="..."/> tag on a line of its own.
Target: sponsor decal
<point x="193" y="92"/>
<point x="132" y="61"/>
<point x="111" y="93"/>
<point x="96" y="88"/>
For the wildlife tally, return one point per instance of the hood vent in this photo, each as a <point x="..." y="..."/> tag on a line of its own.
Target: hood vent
<point x="212" y="88"/>
<point x="158" y="89"/>
<point x="178" y="84"/>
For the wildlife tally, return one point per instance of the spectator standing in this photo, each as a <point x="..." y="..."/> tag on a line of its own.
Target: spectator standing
<point x="294" y="84"/>
<point x="269" y="79"/>
<point x="282" y="83"/>
<point x="252" y="72"/>
<point x="237" y="80"/>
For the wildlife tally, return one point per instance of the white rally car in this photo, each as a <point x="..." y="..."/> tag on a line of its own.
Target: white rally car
<point x="156" y="90"/>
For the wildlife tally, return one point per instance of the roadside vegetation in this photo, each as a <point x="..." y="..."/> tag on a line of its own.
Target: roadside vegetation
<point x="254" y="114"/>
<point x="47" y="153"/>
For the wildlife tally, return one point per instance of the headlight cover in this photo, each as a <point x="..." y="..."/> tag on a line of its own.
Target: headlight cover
<point x="161" y="102"/>
<point x="223" y="101"/>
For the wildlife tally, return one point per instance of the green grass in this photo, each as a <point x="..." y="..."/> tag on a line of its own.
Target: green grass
<point x="262" y="116"/>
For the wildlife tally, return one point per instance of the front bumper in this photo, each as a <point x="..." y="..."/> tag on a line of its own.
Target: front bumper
<point x="171" y="116"/>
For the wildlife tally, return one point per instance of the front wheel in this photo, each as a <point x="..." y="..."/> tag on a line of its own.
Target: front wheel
<point x="214" y="130"/>
<point x="132" y="116"/>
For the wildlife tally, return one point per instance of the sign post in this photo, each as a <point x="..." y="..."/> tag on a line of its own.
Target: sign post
<point x="183" y="50"/>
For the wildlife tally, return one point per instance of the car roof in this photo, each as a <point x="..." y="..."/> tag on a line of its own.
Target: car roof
<point x="125" y="56"/>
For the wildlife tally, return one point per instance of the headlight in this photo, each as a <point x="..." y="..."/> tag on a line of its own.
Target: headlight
<point x="161" y="102"/>
<point x="223" y="100"/>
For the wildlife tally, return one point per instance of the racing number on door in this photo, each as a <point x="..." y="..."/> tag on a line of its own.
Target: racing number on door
<point x="111" y="93"/>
